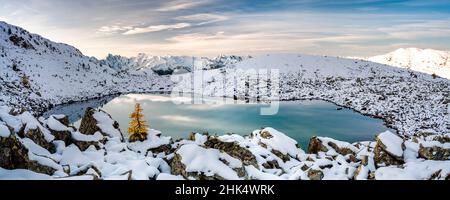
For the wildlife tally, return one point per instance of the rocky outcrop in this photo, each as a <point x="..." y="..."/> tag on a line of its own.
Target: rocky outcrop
<point x="319" y="144"/>
<point x="232" y="149"/>
<point x="315" y="174"/>
<point x="88" y="124"/>
<point x="315" y="146"/>
<point x="14" y="155"/>
<point x="37" y="136"/>
<point x="383" y="156"/>
<point x="178" y="168"/>
<point x="434" y="153"/>
<point x="65" y="136"/>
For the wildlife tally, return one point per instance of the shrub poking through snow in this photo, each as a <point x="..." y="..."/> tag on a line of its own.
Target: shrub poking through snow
<point x="138" y="129"/>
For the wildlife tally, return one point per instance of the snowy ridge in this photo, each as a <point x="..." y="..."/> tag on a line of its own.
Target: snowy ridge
<point x="165" y="65"/>
<point x="36" y="73"/>
<point x="428" y="61"/>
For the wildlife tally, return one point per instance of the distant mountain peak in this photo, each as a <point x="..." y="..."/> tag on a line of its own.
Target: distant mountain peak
<point x="429" y="61"/>
<point x="164" y="65"/>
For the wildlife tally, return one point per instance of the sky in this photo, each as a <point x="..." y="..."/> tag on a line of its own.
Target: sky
<point x="239" y="27"/>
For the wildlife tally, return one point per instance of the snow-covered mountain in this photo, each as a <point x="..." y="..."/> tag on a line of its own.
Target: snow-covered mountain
<point x="36" y="73"/>
<point x="166" y="65"/>
<point x="422" y="60"/>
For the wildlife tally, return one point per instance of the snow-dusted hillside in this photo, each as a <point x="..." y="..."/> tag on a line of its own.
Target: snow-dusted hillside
<point x="408" y="101"/>
<point x="422" y="60"/>
<point x="36" y="73"/>
<point x="165" y="65"/>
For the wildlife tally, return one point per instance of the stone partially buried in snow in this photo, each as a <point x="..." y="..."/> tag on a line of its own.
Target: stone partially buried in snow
<point x="325" y="144"/>
<point x="388" y="149"/>
<point x="37" y="135"/>
<point x="88" y="124"/>
<point x="99" y="121"/>
<point x="275" y="140"/>
<point x="191" y="160"/>
<point x="434" y="152"/>
<point x="233" y="149"/>
<point x="14" y="155"/>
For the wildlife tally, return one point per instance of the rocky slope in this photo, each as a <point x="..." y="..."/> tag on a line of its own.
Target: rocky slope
<point x="36" y="73"/>
<point x="51" y="149"/>
<point x="422" y="60"/>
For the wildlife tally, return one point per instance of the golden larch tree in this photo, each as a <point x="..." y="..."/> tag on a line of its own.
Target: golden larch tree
<point x="138" y="129"/>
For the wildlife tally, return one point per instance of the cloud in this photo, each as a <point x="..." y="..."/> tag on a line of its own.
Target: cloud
<point x="114" y="29"/>
<point x="156" y="28"/>
<point x="417" y="30"/>
<point x="181" y="5"/>
<point x="195" y="37"/>
<point x="203" y="18"/>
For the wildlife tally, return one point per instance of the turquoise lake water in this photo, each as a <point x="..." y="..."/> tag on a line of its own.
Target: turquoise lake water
<point x="298" y="119"/>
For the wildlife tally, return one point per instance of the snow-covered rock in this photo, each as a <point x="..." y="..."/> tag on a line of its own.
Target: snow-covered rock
<point x="266" y="154"/>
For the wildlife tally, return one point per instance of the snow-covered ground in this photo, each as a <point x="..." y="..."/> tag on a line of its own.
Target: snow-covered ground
<point x="98" y="150"/>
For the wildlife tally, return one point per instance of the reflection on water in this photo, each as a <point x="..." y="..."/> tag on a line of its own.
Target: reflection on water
<point x="75" y="111"/>
<point x="298" y="119"/>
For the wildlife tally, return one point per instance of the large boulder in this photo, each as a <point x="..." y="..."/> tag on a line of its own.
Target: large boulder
<point x="315" y="146"/>
<point x="37" y="136"/>
<point x="232" y="149"/>
<point x="88" y="124"/>
<point x="434" y="153"/>
<point x="324" y="144"/>
<point x="63" y="134"/>
<point x="193" y="161"/>
<point x="95" y="121"/>
<point x="58" y="126"/>
<point x="315" y="174"/>
<point x="14" y="155"/>
<point x="388" y="150"/>
<point x="278" y="143"/>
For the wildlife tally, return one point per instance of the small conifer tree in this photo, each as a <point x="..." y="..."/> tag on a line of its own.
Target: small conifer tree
<point x="138" y="129"/>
